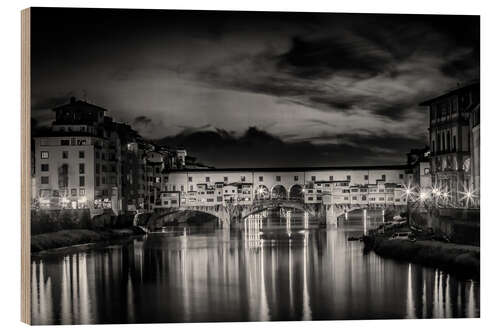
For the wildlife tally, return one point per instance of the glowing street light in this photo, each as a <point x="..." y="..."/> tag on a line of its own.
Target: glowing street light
<point x="468" y="194"/>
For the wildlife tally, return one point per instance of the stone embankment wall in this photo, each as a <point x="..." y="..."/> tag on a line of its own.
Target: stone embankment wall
<point x="45" y="221"/>
<point x="462" y="226"/>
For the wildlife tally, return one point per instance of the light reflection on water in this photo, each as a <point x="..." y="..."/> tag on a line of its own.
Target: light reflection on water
<point x="270" y="269"/>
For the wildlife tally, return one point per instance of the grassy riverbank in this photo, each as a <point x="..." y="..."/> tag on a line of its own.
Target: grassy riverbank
<point x="64" y="238"/>
<point x="462" y="259"/>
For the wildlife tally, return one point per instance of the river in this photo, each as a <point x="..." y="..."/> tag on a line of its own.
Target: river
<point x="269" y="269"/>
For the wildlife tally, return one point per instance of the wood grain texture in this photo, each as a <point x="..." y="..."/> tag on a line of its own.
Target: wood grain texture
<point x="25" y="166"/>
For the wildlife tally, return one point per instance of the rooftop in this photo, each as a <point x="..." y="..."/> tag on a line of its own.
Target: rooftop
<point x="451" y="92"/>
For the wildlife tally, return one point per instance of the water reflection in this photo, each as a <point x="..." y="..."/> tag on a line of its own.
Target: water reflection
<point x="271" y="269"/>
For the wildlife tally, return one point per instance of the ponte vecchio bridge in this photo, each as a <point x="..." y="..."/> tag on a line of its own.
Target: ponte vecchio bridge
<point x="325" y="192"/>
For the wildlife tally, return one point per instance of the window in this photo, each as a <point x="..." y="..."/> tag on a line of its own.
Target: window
<point x="261" y="178"/>
<point x="81" y="167"/>
<point x="82" y="180"/>
<point x="44" y="180"/>
<point x="173" y="187"/>
<point x="182" y="188"/>
<point x="73" y="192"/>
<point x="103" y="180"/>
<point x="346" y="198"/>
<point x="383" y="177"/>
<point x="381" y="199"/>
<point x="310" y="198"/>
<point x="426" y="171"/>
<point x="65" y="154"/>
<point x="363" y="197"/>
<point x="64" y="142"/>
<point x="242" y="178"/>
<point x="207" y="179"/>
<point x="190" y="179"/>
<point x="366" y="177"/>
<point x="97" y="181"/>
<point x="313" y="178"/>
<point x="44" y="167"/>
<point x="354" y="198"/>
<point x="349" y="177"/>
<point x="296" y="178"/>
<point x="97" y="168"/>
<point x="401" y="176"/>
<point x="331" y="178"/>
<point x="278" y="178"/>
<point x="81" y="154"/>
<point x="44" y="155"/>
<point x="225" y="179"/>
<point x="191" y="187"/>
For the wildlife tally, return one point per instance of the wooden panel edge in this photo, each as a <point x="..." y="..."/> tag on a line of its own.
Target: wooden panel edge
<point x="25" y="165"/>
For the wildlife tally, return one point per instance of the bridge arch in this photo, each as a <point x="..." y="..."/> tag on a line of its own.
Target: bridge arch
<point x="218" y="212"/>
<point x="262" y="193"/>
<point x="296" y="192"/>
<point x="279" y="191"/>
<point x="266" y="204"/>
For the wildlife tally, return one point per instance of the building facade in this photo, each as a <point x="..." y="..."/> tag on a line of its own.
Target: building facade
<point x="86" y="160"/>
<point x="451" y="139"/>
<point x="376" y="186"/>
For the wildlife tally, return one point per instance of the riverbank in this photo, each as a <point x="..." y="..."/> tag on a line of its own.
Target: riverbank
<point x="65" y="238"/>
<point x="461" y="259"/>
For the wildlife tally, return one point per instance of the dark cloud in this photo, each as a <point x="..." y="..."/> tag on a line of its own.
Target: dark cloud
<point x="463" y="66"/>
<point x="330" y="85"/>
<point x="258" y="148"/>
<point x="324" y="57"/>
<point x="142" y="121"/>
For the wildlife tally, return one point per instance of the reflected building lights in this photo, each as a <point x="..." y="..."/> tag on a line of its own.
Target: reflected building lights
<point x="410" y="303"/>
<point x="241" y="276"/>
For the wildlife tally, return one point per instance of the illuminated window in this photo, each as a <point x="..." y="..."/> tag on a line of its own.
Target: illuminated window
<point x="44" y="155"/>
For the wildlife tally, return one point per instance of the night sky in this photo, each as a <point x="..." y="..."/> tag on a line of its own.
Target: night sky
<point x="255" y="89"/>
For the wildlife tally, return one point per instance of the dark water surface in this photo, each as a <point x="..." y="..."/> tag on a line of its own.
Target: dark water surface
<point x="270" y="269"/>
